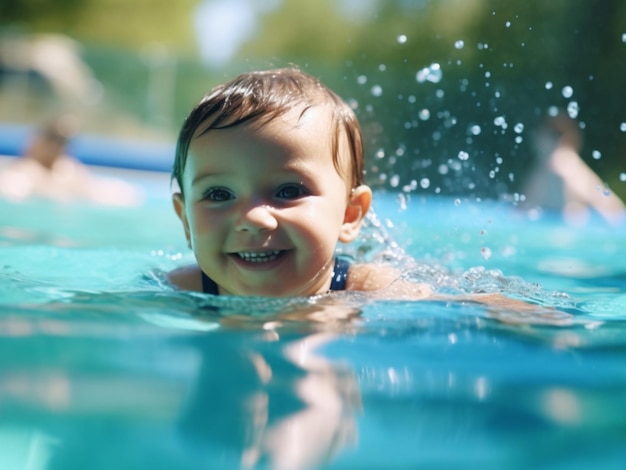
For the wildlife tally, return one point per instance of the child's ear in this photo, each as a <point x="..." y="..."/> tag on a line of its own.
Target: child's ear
<point x="179" y="207"/>
<point x="358" y="204"/>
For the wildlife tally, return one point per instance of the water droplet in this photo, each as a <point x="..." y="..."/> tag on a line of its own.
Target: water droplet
<point x="519" y="128"/>
<point x="507" y="24"/>
<point x="519" y="139"/>
<point x="361" y="79"/>
<point x="475" y="129"/>
<point x="432" y="74"/>
<point x="394" y="181"/>
<point x="500" y="121"/>
<point x="622" y="177"/>
<point x="382" y="67"/>
<point x="606" y="192"/>
<point x="623" y="37"/>
<point x="401" y="38"/>
<point x="457" y="202"/>
<point x="402" y="201"/>
<point x="596" y="155"/>
<point x="567" y="91"/>
<point x="380" y="153"/>
<point x="548" y="85"/>
<point x="492" y="174"/>
<point x="463" y="155"/>
<point x="572" y="109"/>
<point x="485" y="252"/>
<point x="424" y="183"/>
<point x="424" y="114"/>
<point x="553" y="111"/>
<point x="459" y="44"/>
<point x="377" y="90"/>
<point x="622" y="127"/>
<point x="443" y="169"/>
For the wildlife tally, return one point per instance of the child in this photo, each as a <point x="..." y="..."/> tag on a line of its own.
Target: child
<point x="270" y="172"/>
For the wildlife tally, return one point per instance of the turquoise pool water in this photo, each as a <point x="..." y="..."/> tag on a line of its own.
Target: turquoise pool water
<point x="103" y="367"/>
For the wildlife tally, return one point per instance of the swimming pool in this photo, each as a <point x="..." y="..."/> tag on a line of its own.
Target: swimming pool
<point x="102" y="366"/>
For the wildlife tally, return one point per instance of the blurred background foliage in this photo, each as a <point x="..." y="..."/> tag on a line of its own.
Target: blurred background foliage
<point x="499" y="69"/>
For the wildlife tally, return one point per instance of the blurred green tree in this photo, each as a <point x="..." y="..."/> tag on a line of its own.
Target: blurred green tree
<point x="504" y="67"/>
<point x="125" y="24"/>
<point x="44" y="13"/>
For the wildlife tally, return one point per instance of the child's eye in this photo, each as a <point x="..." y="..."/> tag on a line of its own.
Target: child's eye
<point x="218" y="195"/>
<point x="291" y="191"/>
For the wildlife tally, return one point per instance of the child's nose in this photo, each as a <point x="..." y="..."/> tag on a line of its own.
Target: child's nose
<point x="257" y="217"/>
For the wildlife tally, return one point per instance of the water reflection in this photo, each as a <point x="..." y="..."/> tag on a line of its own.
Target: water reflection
<point x="116" y="391"/>
<point x="279" y="403"/>
<point x="82" y="381"/>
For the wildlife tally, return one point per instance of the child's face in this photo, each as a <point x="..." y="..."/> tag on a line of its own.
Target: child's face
<point x="265" y="206"/>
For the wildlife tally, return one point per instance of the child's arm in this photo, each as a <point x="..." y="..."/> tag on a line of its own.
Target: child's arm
<point x="384" y="283"/>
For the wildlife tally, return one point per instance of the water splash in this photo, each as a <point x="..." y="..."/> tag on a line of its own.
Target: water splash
<point x="432" y="74"/>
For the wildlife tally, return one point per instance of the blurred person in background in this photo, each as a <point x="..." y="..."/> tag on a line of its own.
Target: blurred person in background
<point x="45" y="170"/>
<point x="561" y="181"/>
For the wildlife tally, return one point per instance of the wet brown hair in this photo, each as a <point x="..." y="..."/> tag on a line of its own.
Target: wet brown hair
<point x="261" y="96"/>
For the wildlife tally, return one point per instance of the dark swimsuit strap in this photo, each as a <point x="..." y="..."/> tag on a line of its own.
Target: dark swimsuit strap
<point x="208" y="285"/>
<point x="338" y="282"/>
<point x="340" y="274"/>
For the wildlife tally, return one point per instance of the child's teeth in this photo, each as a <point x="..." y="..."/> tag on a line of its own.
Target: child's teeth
<point x="259" y="257"/>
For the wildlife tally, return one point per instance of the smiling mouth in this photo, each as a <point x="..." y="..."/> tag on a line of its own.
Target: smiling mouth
<point x="259" y="256"/>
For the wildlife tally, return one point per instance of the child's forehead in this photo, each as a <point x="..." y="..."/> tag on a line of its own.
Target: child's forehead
<point x="316" y="115"/>
<point x="299" y="132"/>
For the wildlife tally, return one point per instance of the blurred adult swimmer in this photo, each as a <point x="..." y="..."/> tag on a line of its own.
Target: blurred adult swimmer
<point x="45" y="170"/>
<point x="561" y="181"/>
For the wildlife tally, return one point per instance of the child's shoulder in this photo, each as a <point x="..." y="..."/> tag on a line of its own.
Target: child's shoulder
<point x="186" y="278"/>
